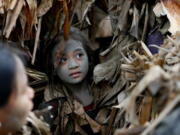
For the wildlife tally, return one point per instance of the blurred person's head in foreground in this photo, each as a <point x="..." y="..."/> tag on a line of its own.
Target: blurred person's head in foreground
<point x="15" y="93"/>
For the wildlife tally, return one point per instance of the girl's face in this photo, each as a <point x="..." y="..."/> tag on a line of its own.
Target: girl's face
<point x="73" y="65"/>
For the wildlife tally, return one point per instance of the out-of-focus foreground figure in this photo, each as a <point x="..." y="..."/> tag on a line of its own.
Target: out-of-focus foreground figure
<point x="15" y="93"/>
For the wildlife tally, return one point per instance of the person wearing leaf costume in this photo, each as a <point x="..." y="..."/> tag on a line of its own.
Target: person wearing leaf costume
<point x="76" y="102"/>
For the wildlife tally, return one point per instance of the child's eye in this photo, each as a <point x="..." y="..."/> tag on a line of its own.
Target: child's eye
<point x="63" y="60"/>
<point x="79" y="55"/>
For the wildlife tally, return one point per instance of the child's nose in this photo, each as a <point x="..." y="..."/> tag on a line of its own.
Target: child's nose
<point x="72" y="64"/>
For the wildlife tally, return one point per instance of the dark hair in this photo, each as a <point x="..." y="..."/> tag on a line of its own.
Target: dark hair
<point x="76" y="35"/>
<point x="7" y="74"/>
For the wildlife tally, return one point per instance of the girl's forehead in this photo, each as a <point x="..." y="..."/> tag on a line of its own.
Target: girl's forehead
<point x="72" y="45"/>
<point x="68" y="47"/>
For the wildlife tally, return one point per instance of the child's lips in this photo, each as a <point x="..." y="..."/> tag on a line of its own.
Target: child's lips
<point x="75" y="74"/>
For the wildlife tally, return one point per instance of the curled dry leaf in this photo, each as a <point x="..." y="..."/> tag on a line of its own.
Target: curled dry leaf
<point x="82" y="8"/>
<point x="129" y="104"/>
<point x="41" y="127"/>
<point x="44" y="7"/>
<point x="13" y="4"/>
<point x="162" y="115"/>
<point x="104" y="28"/>
<point x="134" y="31"/>
<point x="79" y="110"/>
<point x="29" y="18"/>
<point x="123" y="17"/>
<point x="145" y="110"/>
<point x="1" y="7"/>
<point x="96" y="127"/>
<point x="105" y="71"/>
<point x="11" y="18"/>
<point x="172" y="10"/>
<point x="6" y="5"/>
<point x="131" y="131"/>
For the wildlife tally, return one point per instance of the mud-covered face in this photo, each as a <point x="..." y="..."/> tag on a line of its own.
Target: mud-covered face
<point x="73" y="65"/>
